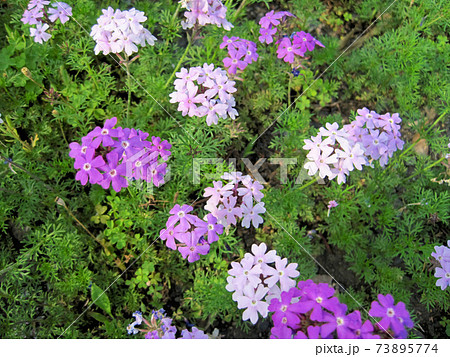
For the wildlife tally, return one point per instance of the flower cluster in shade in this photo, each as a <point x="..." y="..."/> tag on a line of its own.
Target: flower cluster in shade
<point x="258" y="279"/>
<point x="119" y="31"/>
<point x="160" y="327"/>
<point x="289" y="46"/>
<point x="238" y="198"/>
<point x="189" y="234"/>
<point x="108" y="155"/>
<point x="205" y="12"/>
<point x="205" y="92"/>
<point x="311" y="311"/>
<point x="442" y="255"/>
<point x="334" y="152"/>
<point x="42" y="16"/>
<point x="241" y="53"/>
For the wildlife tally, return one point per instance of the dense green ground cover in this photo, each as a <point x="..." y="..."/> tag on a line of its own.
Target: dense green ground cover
<point x="62" y="243"/>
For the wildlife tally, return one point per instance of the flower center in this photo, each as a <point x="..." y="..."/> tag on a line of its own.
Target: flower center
<point x="319" y="300"/>
<point x="304" y="39"/>
<point x="390" y="312"/>
<point x="369" y="116"/>
<point x="138" y="164"/>
<point x="181" y="214"/>
<point x="253" y="302"/>
<point x="246" y="272"/>
<point x="83" y="149"/>
<point x="447" y="275"/>
<point x="125" y="144"/>
<point x="210" y="227"/>
<point x="113" y="173"/>
<point x="280" y="273"/>
<point x="284" y="308"/>
<point x="234" y="61"/>
<point x="87" y="166"/>
<point x="339" y="321"/>
<point x="105" y="132"/>
<point x="284" y="320"/>
<point x="289" y="49"/>
<point x="192" y="249"/>
<point x="376" y="142"/>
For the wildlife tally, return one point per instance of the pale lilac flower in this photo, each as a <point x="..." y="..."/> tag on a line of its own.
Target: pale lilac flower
<point x="193" y="249"/>
<point x="39" y="33"/>
<point x="229" y="212"/>
<point x="444" y="275"/>
<point x="332" y="204"/>
<point x="244" y="273"/>
<point x="61" y="11"/>
<point x="251" y="214"/>
<point x="266" y="35"/>
<point x="252" y="302"/>
<point x="283" y="274"/>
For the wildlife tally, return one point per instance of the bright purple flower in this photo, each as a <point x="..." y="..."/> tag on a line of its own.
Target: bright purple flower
<point x="288" y="50"/>
<point x="193" y="248"/>
<point x="180" y="214"/>
<point x="266" y="35"/>
<point x="89" y="166"/>
<point x="163" y="147"/>
<point x="269" y="19"/>
<point x="214" y="229"/>
<point x="229" y="42"/>
<point x="305" y="41"/>
<point x="114" y="173"/>
<point x="340" y="322"/>
<point x="281" y="332"/>
<point x="286" y="312"/>
<point x="234" y="61"/>
<point x="104" y="135"/>
<point x="393" y="316"/>
<point x="320" y="297"/>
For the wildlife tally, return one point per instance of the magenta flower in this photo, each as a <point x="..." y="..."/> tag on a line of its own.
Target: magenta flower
<point x="234" y="61"/>
<point x="89" y="166"/>
<point x="180" y="214"/>
<point x="114" y="173"/>
<point x="214" y="229"/>
<point x="269" y="19"/>
<point x="229" y="42"/>
<point x="285" y="312"/>
<point x="288" y="50"/>
<point x="266" y="35"/>
<point x="320" y="297"/>
<point x="305" y="41"/>
<point x="281" y="332"/>
<point x="170" y="234"/>
<point x="393" y="316"/>
<point x="340" y="322"/>
<point x="193" y="249"/>
<point x="104" y="135"/>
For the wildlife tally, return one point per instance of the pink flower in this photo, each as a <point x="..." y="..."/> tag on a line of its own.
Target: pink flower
<point x="193" y="249"/>
<point x="266" y="35"/>
<point x="269" y="19"/>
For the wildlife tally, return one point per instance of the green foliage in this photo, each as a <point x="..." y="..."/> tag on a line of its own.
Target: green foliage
<point x="63" y="244"/>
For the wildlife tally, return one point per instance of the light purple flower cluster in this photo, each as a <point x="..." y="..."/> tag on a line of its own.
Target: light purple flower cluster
<point x="107" y="155"/>
<point x="297" y="44"/>
<point x="119" y="31"/>
<point x="256" y="283"/>
<point x="241" y="53"/>
<point x="331" y="146"/>
<point x="37" y="14"/>
<point x="160" y="327"/>
<point x="205" y="91"/>
<point x="442" y="255"/>
<point x="188" y="234"/>
<point x="205" y="12"/>
<point x="236" y="199"/>
<point x="312" y="311"/>
<point x="370" y="137"/>
<point x="379" y="135"/>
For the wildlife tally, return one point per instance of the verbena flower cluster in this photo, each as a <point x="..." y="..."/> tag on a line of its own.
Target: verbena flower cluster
<point x="205" y="91"/>
<point x="188" y="234"/>
<point x="108" y="155"/>
<point x="258" y="279"/>
<point x="119" y="31"/>
<point x="160" y="327"/>
<point x="442" y="255"/>
<point x="205" y="12"/>
<point x="37" y="14"/>
<point x="289" y="46"/>
<point x="334" y="152"/>
<point x="241" y="53"/>
<point x="311" y="311"/>
<point x="238" y="198"/>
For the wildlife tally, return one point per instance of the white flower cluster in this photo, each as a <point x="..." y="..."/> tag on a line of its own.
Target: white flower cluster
<point x="255" y="283"/>
<point x="117" y="31"/>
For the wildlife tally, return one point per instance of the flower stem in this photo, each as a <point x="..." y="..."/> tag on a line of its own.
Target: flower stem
<point x="239" y="9"/>
<point x="177" y="67"/>
<point x="309" y="183"/>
